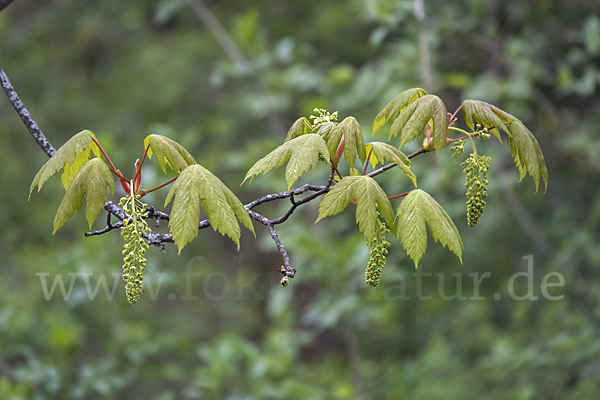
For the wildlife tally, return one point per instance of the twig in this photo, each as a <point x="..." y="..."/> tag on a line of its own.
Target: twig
<point x="283" y="195"/>
<point x="4" y="3"/>
<point x="392" y="165"/>
<point x="109" y="227"/>
<point x="32" y="127"/>
<point x="152" y="213"/>
<point x="287" y="269"/>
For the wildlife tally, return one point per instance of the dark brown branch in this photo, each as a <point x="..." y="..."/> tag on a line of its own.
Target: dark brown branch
<point x="108" y="228"/>
<point x="392" y="165"/>
<point x="296" y="204"/>
<point x="283" y="195"/>
<point x="286" y="269"/>
<point x="32" y="127"/>
<point x="152" y="213"/>
<point x="4" y="3"/>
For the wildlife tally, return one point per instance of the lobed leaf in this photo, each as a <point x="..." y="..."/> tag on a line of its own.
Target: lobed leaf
<point x="416" y="209"/>
<point x="393" y="109"/>
<point x="91" y="180"/>
<point x="198" y="188"/>
<point x="369" y="196"/>
<point x="413" y="119"/>
<point x="527" y="153"/>
<point x="302" y="152"/>
<point x="354" y="140"/>
<point x="383" y="151"/>
<point x="486" y="115"/>
<point x="300" y="127"/>
<point x="70" y="170"/>
<point x="70" y="158"/>
<point x="331" y="135"/>
<point x="168" y="152"/>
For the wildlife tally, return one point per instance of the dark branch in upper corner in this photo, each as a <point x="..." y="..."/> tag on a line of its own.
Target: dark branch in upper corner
<point x="32" y="127"/>
<point x="4" y="3"/>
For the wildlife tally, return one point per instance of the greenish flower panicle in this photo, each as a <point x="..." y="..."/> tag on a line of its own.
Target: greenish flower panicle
<point x="458" y="148"/>
<point x="324" y="116"/>
<point x="135" y="247"/>
<point x="377" y="251"/>
<point x="476" y="169"/>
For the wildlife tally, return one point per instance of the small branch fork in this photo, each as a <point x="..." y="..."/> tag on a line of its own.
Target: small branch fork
<point x="158" y="239"/>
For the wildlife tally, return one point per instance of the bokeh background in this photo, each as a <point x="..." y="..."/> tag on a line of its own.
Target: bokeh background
<point x="125" y="69"/>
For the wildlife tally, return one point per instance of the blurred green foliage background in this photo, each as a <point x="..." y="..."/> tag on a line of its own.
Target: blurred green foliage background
<point x="125" y="69"/>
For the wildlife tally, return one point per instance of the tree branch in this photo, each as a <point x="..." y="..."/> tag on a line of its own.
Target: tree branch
<point x="4" y="3"/>
<point x="32" y="127"/>
<point x="287" y="270"/>
<point x="158" y="239"/>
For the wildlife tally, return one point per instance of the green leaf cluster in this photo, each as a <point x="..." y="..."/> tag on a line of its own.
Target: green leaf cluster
<point x="350" y="133"/>
<point x="303" y="152"/>
<point x="92" y="180"/>
<point x="135" y="247"/>
<point x="198" y="188"/>
<point x="486" y="115"/>
<point x="524" y="147"/>
<point x="412" y="121"/>
<point x="527" y="154"/>
<point x="69" y="158"/>
<point x="168" y="152"/>
<point x="381" y="152"/>
<point x="300" y="127"/>
<point x="416" y="209"/>
<point x="393" y="109"/>
<point x="370" y="198"/>
<point x="410" y="112"/>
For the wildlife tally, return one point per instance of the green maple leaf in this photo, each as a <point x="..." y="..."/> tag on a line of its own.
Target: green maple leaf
<point x="396" y="106"/>
<point x="350" y="130"/>
<point x="527" y="154"/>
<point x="354" y="142"/>
<point x="91" y="180"/>
<point x="369" y="196"/>
<point x="417" y="208"/>
<point x="300" y="127"/>
<point x="198" y="188"/>
<point x="71" y="156"/>
<point x="381" y="152"/>
<point x="486" y="115"/>
<point x="302" y="152"/>
<point x="412" y="120"/>
<point x="168" y="152"/>
<point x="331" y="135"/>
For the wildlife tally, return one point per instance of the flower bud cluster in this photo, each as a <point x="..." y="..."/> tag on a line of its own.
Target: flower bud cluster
<point x="324" y="116"/>
<point x="134" y="249"/>
<point x="378" y="251"/>
<point x="458" y="148"/>
<point x="476" y="169"/>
